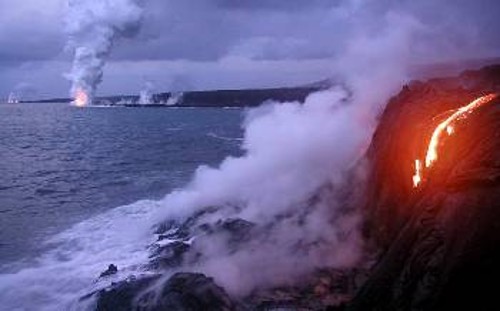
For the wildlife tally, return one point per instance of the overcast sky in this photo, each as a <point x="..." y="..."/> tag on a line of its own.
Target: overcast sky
<point x="208" y="44"/>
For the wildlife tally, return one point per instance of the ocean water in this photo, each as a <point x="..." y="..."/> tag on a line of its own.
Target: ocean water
<point x="76" y="183"/>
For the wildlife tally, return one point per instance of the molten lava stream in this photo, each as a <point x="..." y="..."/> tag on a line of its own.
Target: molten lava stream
<point x="448" y="127"/>
<point x="417" y="178"/>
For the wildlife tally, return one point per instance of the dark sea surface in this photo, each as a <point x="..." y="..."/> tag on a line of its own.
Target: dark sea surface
<point x="61" y="165"/>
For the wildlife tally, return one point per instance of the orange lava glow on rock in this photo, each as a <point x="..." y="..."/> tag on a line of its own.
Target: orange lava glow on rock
<point x="81" y="98"/>
<point x="417" y="178"/>
<point x="447" y="127"/>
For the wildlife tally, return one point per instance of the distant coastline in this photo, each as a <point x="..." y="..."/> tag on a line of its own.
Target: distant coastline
<point x="216" y="98"/>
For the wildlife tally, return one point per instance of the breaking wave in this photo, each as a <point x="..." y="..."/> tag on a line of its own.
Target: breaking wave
<point x="77" y="257"/>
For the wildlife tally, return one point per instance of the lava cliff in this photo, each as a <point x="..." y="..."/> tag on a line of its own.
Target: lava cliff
<point x="440" y="241"/>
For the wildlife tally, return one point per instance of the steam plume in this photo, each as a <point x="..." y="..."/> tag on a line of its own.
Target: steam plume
<point x="295" y="163"/>
<point x="22" y="91"/>
<point x="92" y="27"/>
<point x="12" y="99"/>
<point x="146" y="94"/>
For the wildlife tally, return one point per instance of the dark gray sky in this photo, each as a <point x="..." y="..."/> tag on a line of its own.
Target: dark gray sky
<point x="207" y="44"/>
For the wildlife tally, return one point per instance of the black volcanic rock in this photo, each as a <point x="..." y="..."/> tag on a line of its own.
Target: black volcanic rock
<point x="168" y="256"/>
<point x="441" y="242"/>
<point x="181" y="292"/>
<point x="188" y="292"/>
<point x="112" y="269"/>
<point x="325" y="289"/>
<point x="122" y="296"/>
<point x="177" y="240"/>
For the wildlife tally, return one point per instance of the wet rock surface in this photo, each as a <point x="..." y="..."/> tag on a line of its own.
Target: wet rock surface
<point x="176" y="241"/>
<point x="112" y="269"/>
<point x="187" y="292"/>
<point x="182" y="291"/>
<point x="122" y="296"/>
<point x="326" y="289"/>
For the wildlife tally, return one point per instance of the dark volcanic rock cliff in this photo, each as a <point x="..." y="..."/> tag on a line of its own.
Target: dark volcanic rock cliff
<point x="440" y="242"/>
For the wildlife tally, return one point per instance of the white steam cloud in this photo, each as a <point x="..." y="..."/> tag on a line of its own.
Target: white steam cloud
<point x="92" y="27"/>
<point x="146" y="94"/>
<point x="22" y="91"/>
<point x="296" y="160"/>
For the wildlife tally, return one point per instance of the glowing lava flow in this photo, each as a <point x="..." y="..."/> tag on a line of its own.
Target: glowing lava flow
<point x="448" y="127"/>
<point x="417" y="178"/>
<point x="81" y="98"/>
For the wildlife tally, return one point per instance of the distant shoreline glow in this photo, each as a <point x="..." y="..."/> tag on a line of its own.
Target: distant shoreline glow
<point x="81" y="98"/>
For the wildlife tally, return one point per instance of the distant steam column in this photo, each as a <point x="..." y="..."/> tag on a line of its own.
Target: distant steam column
<point x="92" y="27"/>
